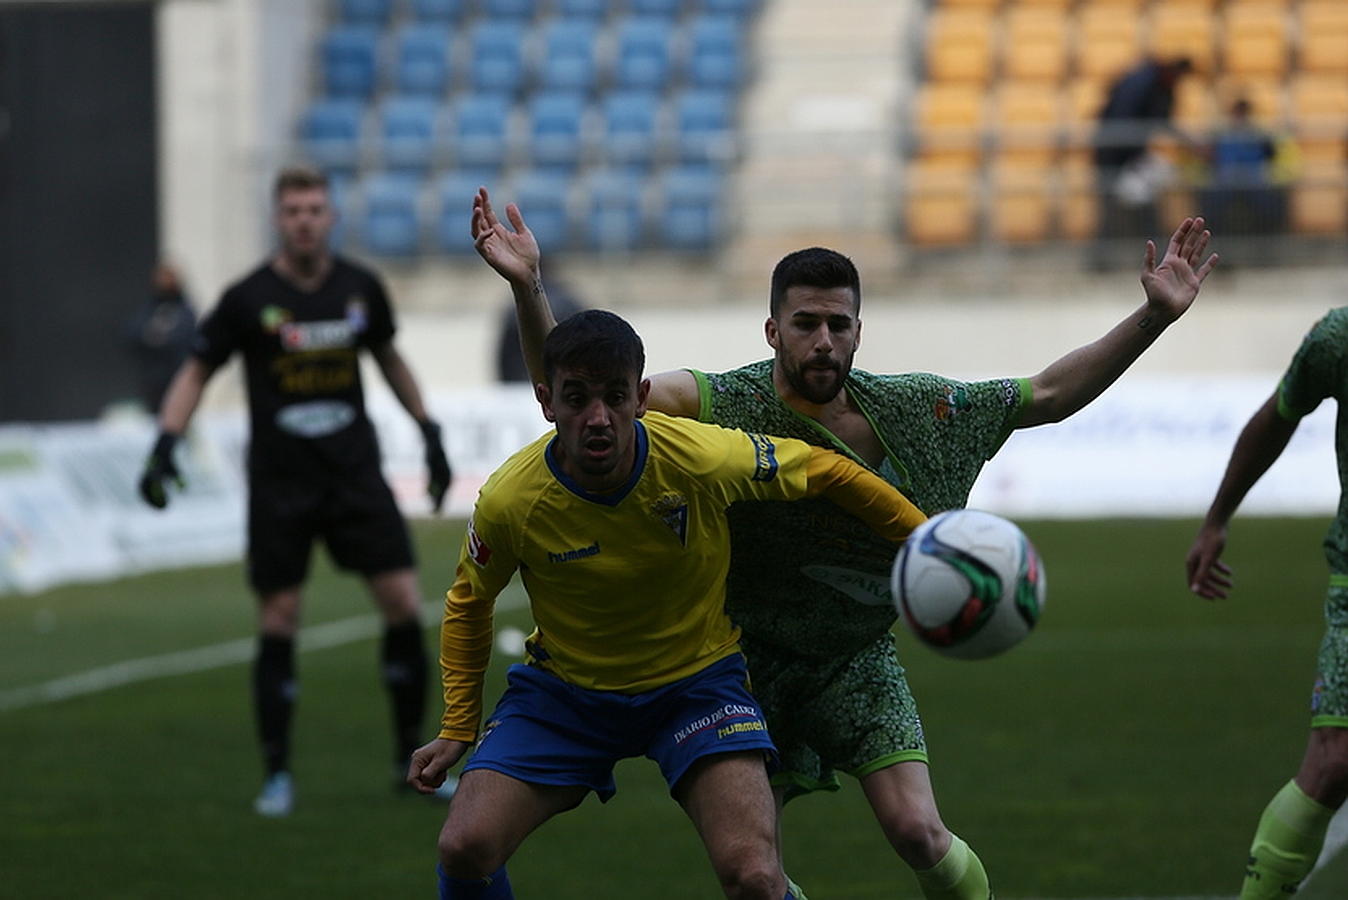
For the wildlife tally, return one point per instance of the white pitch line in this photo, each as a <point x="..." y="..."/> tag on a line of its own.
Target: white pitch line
<point x="201" y="659"/>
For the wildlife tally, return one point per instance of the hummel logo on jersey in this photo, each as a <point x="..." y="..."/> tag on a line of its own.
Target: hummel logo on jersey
<point x="672" y="509"/>
<point x="573" y="555"/>
<point x="478" y="551"/>
<point x="765" y="458"/>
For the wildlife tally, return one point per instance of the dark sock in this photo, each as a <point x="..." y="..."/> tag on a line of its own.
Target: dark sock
<point x="274" y="688"/>
<point x="495" y="886"/>
<point x="403" y="660"/>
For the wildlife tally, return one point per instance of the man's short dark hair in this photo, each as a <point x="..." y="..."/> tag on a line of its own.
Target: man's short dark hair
<point x="596" y="342"/>
<point x="298" y="178"/>
<point x="816" y="267"/>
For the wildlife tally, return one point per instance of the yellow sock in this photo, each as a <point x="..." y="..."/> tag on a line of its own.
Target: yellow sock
<point x="958" y="876"/>
<point x="1289" y="837"/>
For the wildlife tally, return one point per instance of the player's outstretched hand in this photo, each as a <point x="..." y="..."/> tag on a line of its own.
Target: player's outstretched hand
<point x="439" y="474"/>
<point x="431" y="762"/>
<point x="511" y="251"/>
<point x="1209" y="577"/>
<point x="160" y="469"/>
<point x="1172" y="285"/>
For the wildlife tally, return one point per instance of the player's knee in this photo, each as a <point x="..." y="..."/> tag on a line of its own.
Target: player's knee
<point x="465" y="854"/>
<point x="920" y="841"/>
<point x="753" y="878"/>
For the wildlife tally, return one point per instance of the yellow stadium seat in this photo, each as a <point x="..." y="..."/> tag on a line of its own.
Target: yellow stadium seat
<point x="1319" y="201"/>
<point x="1034" y="44"/>
<point x="1108" y="41"/>
<point x="1078" y="209"/>
<point x="1021" y="203"/>
<point x="1026" y="118"/>
<point x="948" y="120"/>
<point x="970" y="4"/>
<point x="941" y="204"/>
<point x="1318" y="110"/>
<point x="1255" y="40"/>
<point x="1194" y="104"/>
<point x="959" y="45"/>
<point x="1325" y="51"/>
<point x="1267" y="104"/>
<point x="1187" y="31"/>
<point x="1322" y="16"/>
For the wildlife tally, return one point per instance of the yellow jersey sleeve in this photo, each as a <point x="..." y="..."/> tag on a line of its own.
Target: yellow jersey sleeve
<point x="862" y="493"/>
<point x="486" y="564"/>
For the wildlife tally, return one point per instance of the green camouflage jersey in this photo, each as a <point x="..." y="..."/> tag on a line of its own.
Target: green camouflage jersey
<point x="809" y="579"/>
<point x="1320" y="370"/>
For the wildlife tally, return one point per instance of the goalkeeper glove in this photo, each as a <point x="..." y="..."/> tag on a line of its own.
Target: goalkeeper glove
<point x="437" y="464"/>
<point x="159" y="468"/>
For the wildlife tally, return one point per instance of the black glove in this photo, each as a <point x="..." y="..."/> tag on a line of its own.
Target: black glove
<point x="437" y="464"/>
<point x="159" y="468"/>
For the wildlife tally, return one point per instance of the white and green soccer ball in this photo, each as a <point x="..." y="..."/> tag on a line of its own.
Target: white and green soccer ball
<point x="968" y="584"/>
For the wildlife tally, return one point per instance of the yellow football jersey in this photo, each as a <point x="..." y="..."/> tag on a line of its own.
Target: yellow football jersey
<point x="627" y="588"/>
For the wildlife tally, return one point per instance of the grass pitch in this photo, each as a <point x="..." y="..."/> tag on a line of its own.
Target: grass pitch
<point x="1125" y="750"/>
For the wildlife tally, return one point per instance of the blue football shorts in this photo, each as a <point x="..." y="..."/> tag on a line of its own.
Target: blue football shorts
<point x="546" y="731"/>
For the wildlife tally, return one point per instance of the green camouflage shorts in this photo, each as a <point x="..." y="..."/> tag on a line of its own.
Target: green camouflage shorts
<point x="854" y="715"/>
<point x="1329" y="698"/>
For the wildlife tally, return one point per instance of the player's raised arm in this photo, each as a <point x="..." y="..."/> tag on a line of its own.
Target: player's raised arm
<point x="1076" y="379"/>
<point x="513" y="252"/>
<point x="1261" y="442"/>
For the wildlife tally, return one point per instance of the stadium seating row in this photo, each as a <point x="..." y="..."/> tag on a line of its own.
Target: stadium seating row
<point x="502" y="55"/>
<point x="487" y="132"/>
<point x="396" y="215"/>
<point x="381" y="12"/>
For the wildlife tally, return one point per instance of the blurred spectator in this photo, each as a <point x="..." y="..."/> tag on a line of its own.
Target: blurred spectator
<point x="1129" y="177"/>
<point x="510" y="365"/>
<point x="161" y="334"/>
<point x="1241" y="196"/>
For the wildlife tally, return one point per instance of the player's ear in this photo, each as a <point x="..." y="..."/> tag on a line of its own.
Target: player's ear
<point x="643" y="396"/>
<point x="544" y="396"/>
<point x="771" y="333"/>
<point x="856" y="344"/>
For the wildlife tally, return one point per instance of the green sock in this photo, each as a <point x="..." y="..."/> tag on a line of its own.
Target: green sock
<point x="1289" y="837"/>
<point x="958" y="876"/>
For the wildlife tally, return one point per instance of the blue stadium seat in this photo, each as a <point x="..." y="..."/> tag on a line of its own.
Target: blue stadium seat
<point x="497" y="56"/>
<point x="567" y="62"/>
<point x="329" y="131"/>
<point x="389" y="222"/>
<point x="590" y="10"/>
<point x="715" y="58"/>
<point x="480" y="132"/>
<point x="520" y="10"/>
<point x="442" y="12"/>
<point x="407" y="133"/>
<point x="614" y="220"/>
<point x="421" y="60"/>
<point x="543" y="197"/>
<point x="364" y="12"/>
<point x="643" y="54"/>
<point x="453" y="210"/>
<point x="347" y="56"/>
<point x="630" y="120"/>
<point x="703" y="122"/>
<point x="740" y="9"/>
<point x="690" y="209"/>
<point x="555" y="120"/>
<point x="659" y="9"/>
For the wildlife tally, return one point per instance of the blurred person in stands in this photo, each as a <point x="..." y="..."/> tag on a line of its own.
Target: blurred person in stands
<point x="161" y="335"/>
<point x="1291" y="831"/>
<point x="816" y="612"/>
<point x="1129" y="177"/>
<point x="1241" y="196"/>
<point x="300" y="321"/>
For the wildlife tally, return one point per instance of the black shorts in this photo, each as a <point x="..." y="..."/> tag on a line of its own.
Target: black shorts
<point x="356" y="516"/>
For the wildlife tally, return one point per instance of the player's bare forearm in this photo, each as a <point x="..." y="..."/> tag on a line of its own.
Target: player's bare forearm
<point x="535" y="318"/>
<point x="1261" y="442"/>
<point x="183" y="395"/>
<point x="1171" y="287"/>
<point x="400" y="380"/>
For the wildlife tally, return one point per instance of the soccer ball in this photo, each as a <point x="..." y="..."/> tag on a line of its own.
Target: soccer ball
<point x="968" y="584"/>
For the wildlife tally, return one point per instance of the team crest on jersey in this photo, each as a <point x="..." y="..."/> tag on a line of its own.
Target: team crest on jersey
<point x="955" y="400"/>
<point x="672" y="509"/>
<point x="357" y="313"/>
<point x="273" y="317"/>
<point x="478" y="551"/>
